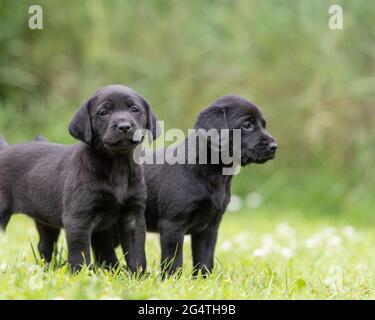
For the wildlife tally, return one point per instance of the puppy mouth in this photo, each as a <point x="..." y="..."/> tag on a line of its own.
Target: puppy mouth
<point x="257" y="157"/>
<point x="263" y="160"/>
<point x="120" y="145"/>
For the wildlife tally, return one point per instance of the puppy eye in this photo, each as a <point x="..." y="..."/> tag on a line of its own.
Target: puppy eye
<point x="103" y="112"/>
<point x="134" y="109"/>
<point x="248" y="125"/>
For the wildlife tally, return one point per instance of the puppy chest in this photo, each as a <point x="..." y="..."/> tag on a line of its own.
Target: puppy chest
<point x="120" y="193"/>
<point x="118" y="179"/>
<point x="107" y="209"/>
<point x="103" y="220"/>
<point x="219" y="200"/>
<point x="119" y="188"/>
<point x="202" y="217"/>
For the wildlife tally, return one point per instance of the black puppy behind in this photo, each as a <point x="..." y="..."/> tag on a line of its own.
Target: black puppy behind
<point x="85" y="188"/>
<point x="192" y="198"/>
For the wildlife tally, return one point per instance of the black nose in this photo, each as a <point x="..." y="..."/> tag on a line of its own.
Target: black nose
<point x="123" y="126"/>
<point x="272" y="146"/>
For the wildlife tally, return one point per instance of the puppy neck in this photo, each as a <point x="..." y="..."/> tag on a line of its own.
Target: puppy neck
<point x="211" y="159"/>
<point x="99" y="160"/>
<point x="212" y="173"/>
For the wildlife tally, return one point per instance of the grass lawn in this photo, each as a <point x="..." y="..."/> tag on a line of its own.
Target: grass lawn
<point x="260" y="255"/>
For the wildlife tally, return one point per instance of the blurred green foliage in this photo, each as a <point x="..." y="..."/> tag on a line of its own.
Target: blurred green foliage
<point x="316" y="86"/>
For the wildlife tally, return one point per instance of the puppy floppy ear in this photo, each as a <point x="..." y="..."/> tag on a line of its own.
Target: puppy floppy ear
<point x="80" y="126"/>
<point x="152" y="124"/>
<point x="214" y="117"/>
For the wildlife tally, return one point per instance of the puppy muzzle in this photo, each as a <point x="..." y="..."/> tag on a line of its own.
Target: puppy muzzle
<point x="261" y="153"/>
<point x="121" y="136"/>
<point x="266" y="151"/>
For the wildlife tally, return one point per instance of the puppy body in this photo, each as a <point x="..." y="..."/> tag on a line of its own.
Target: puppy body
<point x="84" y="188"/>
<point x="28" y="188"/>
<point x="186" y="200"/>
<point x="192" y="198"/>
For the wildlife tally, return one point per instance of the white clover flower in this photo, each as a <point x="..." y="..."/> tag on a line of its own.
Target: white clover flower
<point x="285" y="230"/>
<point x="3" y="267"/>
<point x="286" y="252"/>
<point x="235" y="203"/>
<point x="335" y="278"/>
<point x="35" y="283"/>
<point x="33" y="268"/>
<point x="226" y="245"/>
<point x="348" y="232"/>
<point x="328" y="231"/>
<point x="242" y="237"/>
<point x="313" y="242"/>
<point x="254" y="200"/>
<point x="260" y="253"/>
<point x="3" y="238"/>
<point x="329" y="282"/>
<point x="242" y="241"/>
<point x="22" y="256"/>
<point x="361" y="266"/>
<point x="334" y="241"/>
<point x="268" y="242"/>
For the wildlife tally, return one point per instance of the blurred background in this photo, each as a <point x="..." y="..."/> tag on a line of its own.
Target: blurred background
<point x="315" y="85"/>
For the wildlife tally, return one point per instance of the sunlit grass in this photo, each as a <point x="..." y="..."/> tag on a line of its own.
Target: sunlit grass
<point x="259" y="256"/>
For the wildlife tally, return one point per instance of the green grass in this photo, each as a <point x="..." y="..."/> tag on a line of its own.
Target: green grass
<point x="315" y="86"/>
<point x="260" y="255"/>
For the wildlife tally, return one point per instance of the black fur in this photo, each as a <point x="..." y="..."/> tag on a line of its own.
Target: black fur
<point x="85" y="188"/>
<point x="191" y="198"/>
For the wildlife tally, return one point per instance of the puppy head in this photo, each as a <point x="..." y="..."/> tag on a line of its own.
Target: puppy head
<point x="109" y="119"/>
<point x="235" y="112"/>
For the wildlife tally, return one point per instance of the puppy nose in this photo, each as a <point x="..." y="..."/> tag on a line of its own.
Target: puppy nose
<point x="272" y="146"/>
<point x="123" y="126"/>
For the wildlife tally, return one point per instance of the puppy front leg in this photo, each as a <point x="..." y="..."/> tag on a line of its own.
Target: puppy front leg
<point x="78" y="239"/>
<point x="203" y="247"/>
<point x="104" y="248"/>
<point x="48" y="237"/>
<point x="172" y="242"/>
<point x="132" y="232"/>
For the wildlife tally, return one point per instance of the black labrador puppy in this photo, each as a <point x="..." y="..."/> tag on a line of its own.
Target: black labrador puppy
<point x="192" y="198"/>
<point x="87" y="187"/>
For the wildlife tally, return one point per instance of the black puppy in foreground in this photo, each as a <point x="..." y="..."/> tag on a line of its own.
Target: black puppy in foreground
<point x="85" y="188"/>
<point x="192" y="198"/>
